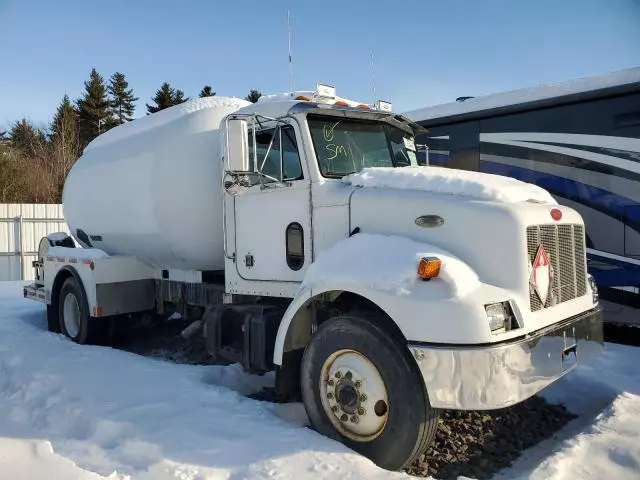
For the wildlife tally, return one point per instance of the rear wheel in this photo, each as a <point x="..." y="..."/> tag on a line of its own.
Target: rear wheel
<point x="361" y="387"/>
<point x="53" y="320"/>
<point x="73" y="312"/>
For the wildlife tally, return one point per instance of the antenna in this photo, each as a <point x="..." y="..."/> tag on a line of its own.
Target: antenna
<point x="373" y="77"/>
<point x="290" y="59"/>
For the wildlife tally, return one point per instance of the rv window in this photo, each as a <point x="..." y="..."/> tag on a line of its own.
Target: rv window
<point x="629" y="119"/>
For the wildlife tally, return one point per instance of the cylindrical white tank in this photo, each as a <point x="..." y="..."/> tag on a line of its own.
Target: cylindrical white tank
<point x="152" y="187"/>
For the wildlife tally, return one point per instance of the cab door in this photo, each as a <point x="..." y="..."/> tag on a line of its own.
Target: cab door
<point x="273" y="216"/>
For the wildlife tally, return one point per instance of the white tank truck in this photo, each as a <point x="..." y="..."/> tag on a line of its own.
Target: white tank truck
<point x="299" y="233"/>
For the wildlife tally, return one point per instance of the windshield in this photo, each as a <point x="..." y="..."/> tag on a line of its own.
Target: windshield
<point x="345" y="146"/>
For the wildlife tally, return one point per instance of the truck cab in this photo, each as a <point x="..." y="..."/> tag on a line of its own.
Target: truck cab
<point x="379" y="291"/>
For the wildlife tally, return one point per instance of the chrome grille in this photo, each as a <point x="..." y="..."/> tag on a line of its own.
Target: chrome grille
<point x="565" y="245"/>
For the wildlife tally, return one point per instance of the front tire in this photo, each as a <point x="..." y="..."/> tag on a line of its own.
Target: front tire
<point x="361" y="387"/>
<point x="73" y="312"/>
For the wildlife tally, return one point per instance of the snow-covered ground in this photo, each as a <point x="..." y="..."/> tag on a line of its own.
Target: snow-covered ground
<point x="75" y="412"/>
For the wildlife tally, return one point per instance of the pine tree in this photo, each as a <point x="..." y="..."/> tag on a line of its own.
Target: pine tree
<point x="93" y="109"/>
<point x="64" y="143"/>
<point x="253" y="96"/>
<point x="65" y="122"/>
<point x="27" y="139"/>
<point x="122" y="101"/>
<point x="166" y="96"/>
<point x="207" y="91"/>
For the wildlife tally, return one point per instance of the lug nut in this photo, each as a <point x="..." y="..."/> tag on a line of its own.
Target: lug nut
<point x="355" y="419"/>
<point x="344" y="417"/>
<point x="334" y="408"/>
<point x="358" y="384"/>
<point x="348" y="375"/>
<point x="338" y="375"/>
<point x="329" y="395"/>
<point x="361" y="411"/>
<point x="331" y="382"/>
<point x="363" y="398"/>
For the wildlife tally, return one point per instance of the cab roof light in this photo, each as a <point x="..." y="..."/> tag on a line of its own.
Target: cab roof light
<point x="303" y="98"/>
<point x="363" y="106"/>
<point x="325" y="91"/>
<point x="341" y="103"/>
<point x="383" y="106"/>
<point x="429" y="267"/>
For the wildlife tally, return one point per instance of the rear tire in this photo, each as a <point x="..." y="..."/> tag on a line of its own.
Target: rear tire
<point x="53" y="320"/>
<point x="361" y="387"/>
<point x="73" y="312"/>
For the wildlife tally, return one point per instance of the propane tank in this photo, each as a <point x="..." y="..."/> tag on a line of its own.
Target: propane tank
<point x="151" y="188"/>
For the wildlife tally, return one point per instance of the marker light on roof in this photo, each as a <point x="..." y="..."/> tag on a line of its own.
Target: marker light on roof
<point x="383" y="106"/>
<point x="326" y="91"/>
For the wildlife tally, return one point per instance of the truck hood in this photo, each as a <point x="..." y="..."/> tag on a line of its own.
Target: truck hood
<point x="472" y="185"/>
<point x="490" y="236"/>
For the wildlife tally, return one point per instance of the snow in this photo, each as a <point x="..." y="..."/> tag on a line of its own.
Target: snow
<point x="79" y="253"/>
<point x="283" y="97"/>
<point x="604" y="441"/>
<point x="164" y="117"/>
<point x="527" y="95"/>
<point x="84" y="412"/>
<point x="388" y="263"/>
<point x="280" y="97"/>
<point x="57" y="236"/>
<point x="477" y="185"/>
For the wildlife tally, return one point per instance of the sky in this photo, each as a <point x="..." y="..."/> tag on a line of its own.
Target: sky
<point x="424" y="52"/>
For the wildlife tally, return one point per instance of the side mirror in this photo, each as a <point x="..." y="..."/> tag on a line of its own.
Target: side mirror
<point x="238" y="146"/>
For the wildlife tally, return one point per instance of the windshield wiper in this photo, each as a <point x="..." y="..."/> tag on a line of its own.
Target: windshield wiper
<point x="330" y="174"/>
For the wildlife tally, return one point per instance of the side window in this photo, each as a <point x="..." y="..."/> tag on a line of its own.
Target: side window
<point x="403" y="148"/>
<point x="268" y="159"/>
<point x="281" y="162"/>
<point x="290" y="155"/>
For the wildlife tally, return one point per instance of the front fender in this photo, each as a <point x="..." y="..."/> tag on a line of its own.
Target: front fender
<point x="382" y="269"/>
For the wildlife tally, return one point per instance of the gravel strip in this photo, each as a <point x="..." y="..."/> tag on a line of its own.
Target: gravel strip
<point x="163" y="340"/>
<point x="478" y="444"/>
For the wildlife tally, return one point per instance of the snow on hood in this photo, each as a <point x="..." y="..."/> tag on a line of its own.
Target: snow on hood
<point x="389" y="263"/>
<point x="481" y="186"/>
<point x="163" y="117"/>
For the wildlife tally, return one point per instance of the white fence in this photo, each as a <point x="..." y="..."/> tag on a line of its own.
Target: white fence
<point x="21" y="228"/>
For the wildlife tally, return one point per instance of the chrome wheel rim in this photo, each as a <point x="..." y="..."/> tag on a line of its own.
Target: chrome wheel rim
<point x="354" y="395"/>
<point x="71" y="315"/>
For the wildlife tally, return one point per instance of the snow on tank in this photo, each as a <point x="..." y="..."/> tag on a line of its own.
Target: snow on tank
<point x="151" y="188"/>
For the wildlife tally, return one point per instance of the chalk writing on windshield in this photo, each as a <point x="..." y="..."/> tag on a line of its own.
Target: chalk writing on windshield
<point x="333" y="148"/>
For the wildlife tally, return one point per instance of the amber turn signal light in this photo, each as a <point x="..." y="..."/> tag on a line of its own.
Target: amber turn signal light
<point x="429" y="267"/>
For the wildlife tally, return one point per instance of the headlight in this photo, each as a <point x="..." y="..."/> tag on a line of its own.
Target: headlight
<point x="594" y="288"/>
<point x="497" y="315"/>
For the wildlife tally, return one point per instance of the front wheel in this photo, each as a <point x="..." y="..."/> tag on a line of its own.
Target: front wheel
<point x="361" y="387"/>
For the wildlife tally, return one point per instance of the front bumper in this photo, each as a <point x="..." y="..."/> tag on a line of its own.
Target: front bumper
<point x="495" y="376"/>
